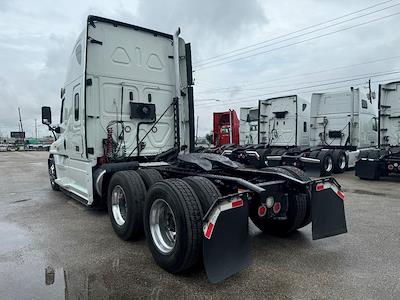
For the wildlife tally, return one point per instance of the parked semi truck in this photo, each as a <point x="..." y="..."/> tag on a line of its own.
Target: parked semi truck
<point x="385" y="159"/>
<point x="126" y="140"/>
<point x="248" y="131"/>
<point x="341" y="124"/>
<point x="282" y="126"/>
<point x="226" y="128"/>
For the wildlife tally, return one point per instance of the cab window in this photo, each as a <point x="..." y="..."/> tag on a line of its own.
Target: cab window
<point x="225" y="130"/>
<point x="364" y="104"/>
<point x="375" y="124"/>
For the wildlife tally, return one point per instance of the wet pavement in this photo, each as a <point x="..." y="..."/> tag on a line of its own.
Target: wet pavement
<point x="52" y="247"/>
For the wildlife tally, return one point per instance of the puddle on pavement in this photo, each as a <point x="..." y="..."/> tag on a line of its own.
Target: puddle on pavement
<point x="27" y="273"/>
<point x="12" y="237"/>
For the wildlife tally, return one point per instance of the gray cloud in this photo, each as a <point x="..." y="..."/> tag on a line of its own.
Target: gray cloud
<point x="37" y="38"/>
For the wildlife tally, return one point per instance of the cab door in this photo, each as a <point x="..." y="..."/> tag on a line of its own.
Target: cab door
<point x="79" y="167"/>
<point x="75" y="143"/>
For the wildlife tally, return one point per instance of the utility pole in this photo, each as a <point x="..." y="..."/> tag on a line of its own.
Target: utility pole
<point x="369" y="91"/>
<point x="197" y="129"/>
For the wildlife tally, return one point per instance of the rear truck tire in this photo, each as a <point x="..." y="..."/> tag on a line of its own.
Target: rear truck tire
<point x="326" y="164"/>
<point x="299" y="174"/>
<point x="279" y="170"/>
<point x="173" y="225"/>
<point x="149" y="176"/>
<point x="53" y="174"/>
<point x="205" y="190"/>
<point x="296" y="216"/>
<point x="339" y="161"/>
<point x="125" y="200"/>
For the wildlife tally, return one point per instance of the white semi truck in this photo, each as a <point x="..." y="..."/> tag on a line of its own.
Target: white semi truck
<point x="385" y="159"/>
<point x="341" y="124"/>
<point x="248" y="131"/>
<point x="282" y="126"/>
<point x="126" y="140"/>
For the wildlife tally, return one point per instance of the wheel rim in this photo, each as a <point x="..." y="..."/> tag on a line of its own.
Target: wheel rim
<point x="328" y="164"/>
<point x="162" y="226"/>
<point x="118" y="205"/>
<point x="342" y="162"/>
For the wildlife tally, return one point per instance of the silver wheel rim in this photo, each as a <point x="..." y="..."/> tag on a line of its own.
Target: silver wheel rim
<point x="118" y="205"/>
<point x="342" y="162"/>
<point x="328" y="164"/>
<point x="162" y="226"/>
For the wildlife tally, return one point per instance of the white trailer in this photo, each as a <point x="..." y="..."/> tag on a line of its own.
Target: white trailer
<point x="384" y="160"/>
<point x="126" y="141"/>
<point x="341" y="124"/>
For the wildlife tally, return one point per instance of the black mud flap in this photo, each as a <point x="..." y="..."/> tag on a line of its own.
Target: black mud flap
<point x="226" y="242"/>
<point x="328" y="217"/>
<point x="368" y="169"/>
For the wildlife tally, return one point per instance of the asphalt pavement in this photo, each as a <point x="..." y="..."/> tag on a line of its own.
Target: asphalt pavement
<point x="53" y="247"/>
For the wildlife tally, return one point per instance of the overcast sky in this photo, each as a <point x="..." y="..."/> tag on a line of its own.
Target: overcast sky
<point x="36" y="38"/>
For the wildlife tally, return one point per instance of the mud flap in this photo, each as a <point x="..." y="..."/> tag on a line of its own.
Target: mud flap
<point x="327" y="209"/>
<point x="226" y="242"/>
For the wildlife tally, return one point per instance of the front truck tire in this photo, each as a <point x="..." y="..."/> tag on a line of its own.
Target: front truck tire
<point x="125" y="200"/>
<point x="339" y="161"/>
<point x="173" y="225"/>
<point x="53" y="174"/>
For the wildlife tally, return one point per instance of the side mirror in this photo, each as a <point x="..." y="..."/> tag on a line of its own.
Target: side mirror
<point x="46" y="115"/>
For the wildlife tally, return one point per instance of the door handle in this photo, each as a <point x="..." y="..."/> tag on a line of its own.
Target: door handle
<point x="65" y="145"/>
<point x="77" y="148"/>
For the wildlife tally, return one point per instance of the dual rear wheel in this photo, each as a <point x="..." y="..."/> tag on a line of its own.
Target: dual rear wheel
<point x="169" y="212"/>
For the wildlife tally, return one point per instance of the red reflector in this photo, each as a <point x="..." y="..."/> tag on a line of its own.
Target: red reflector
<point x="262" y="210"/>
<point x="237" y="203"/>
<point x="340" y="194"/>
<point x="209" y="230"/>
<point x="276" y="208"/>
<point x="319" y="187"/>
